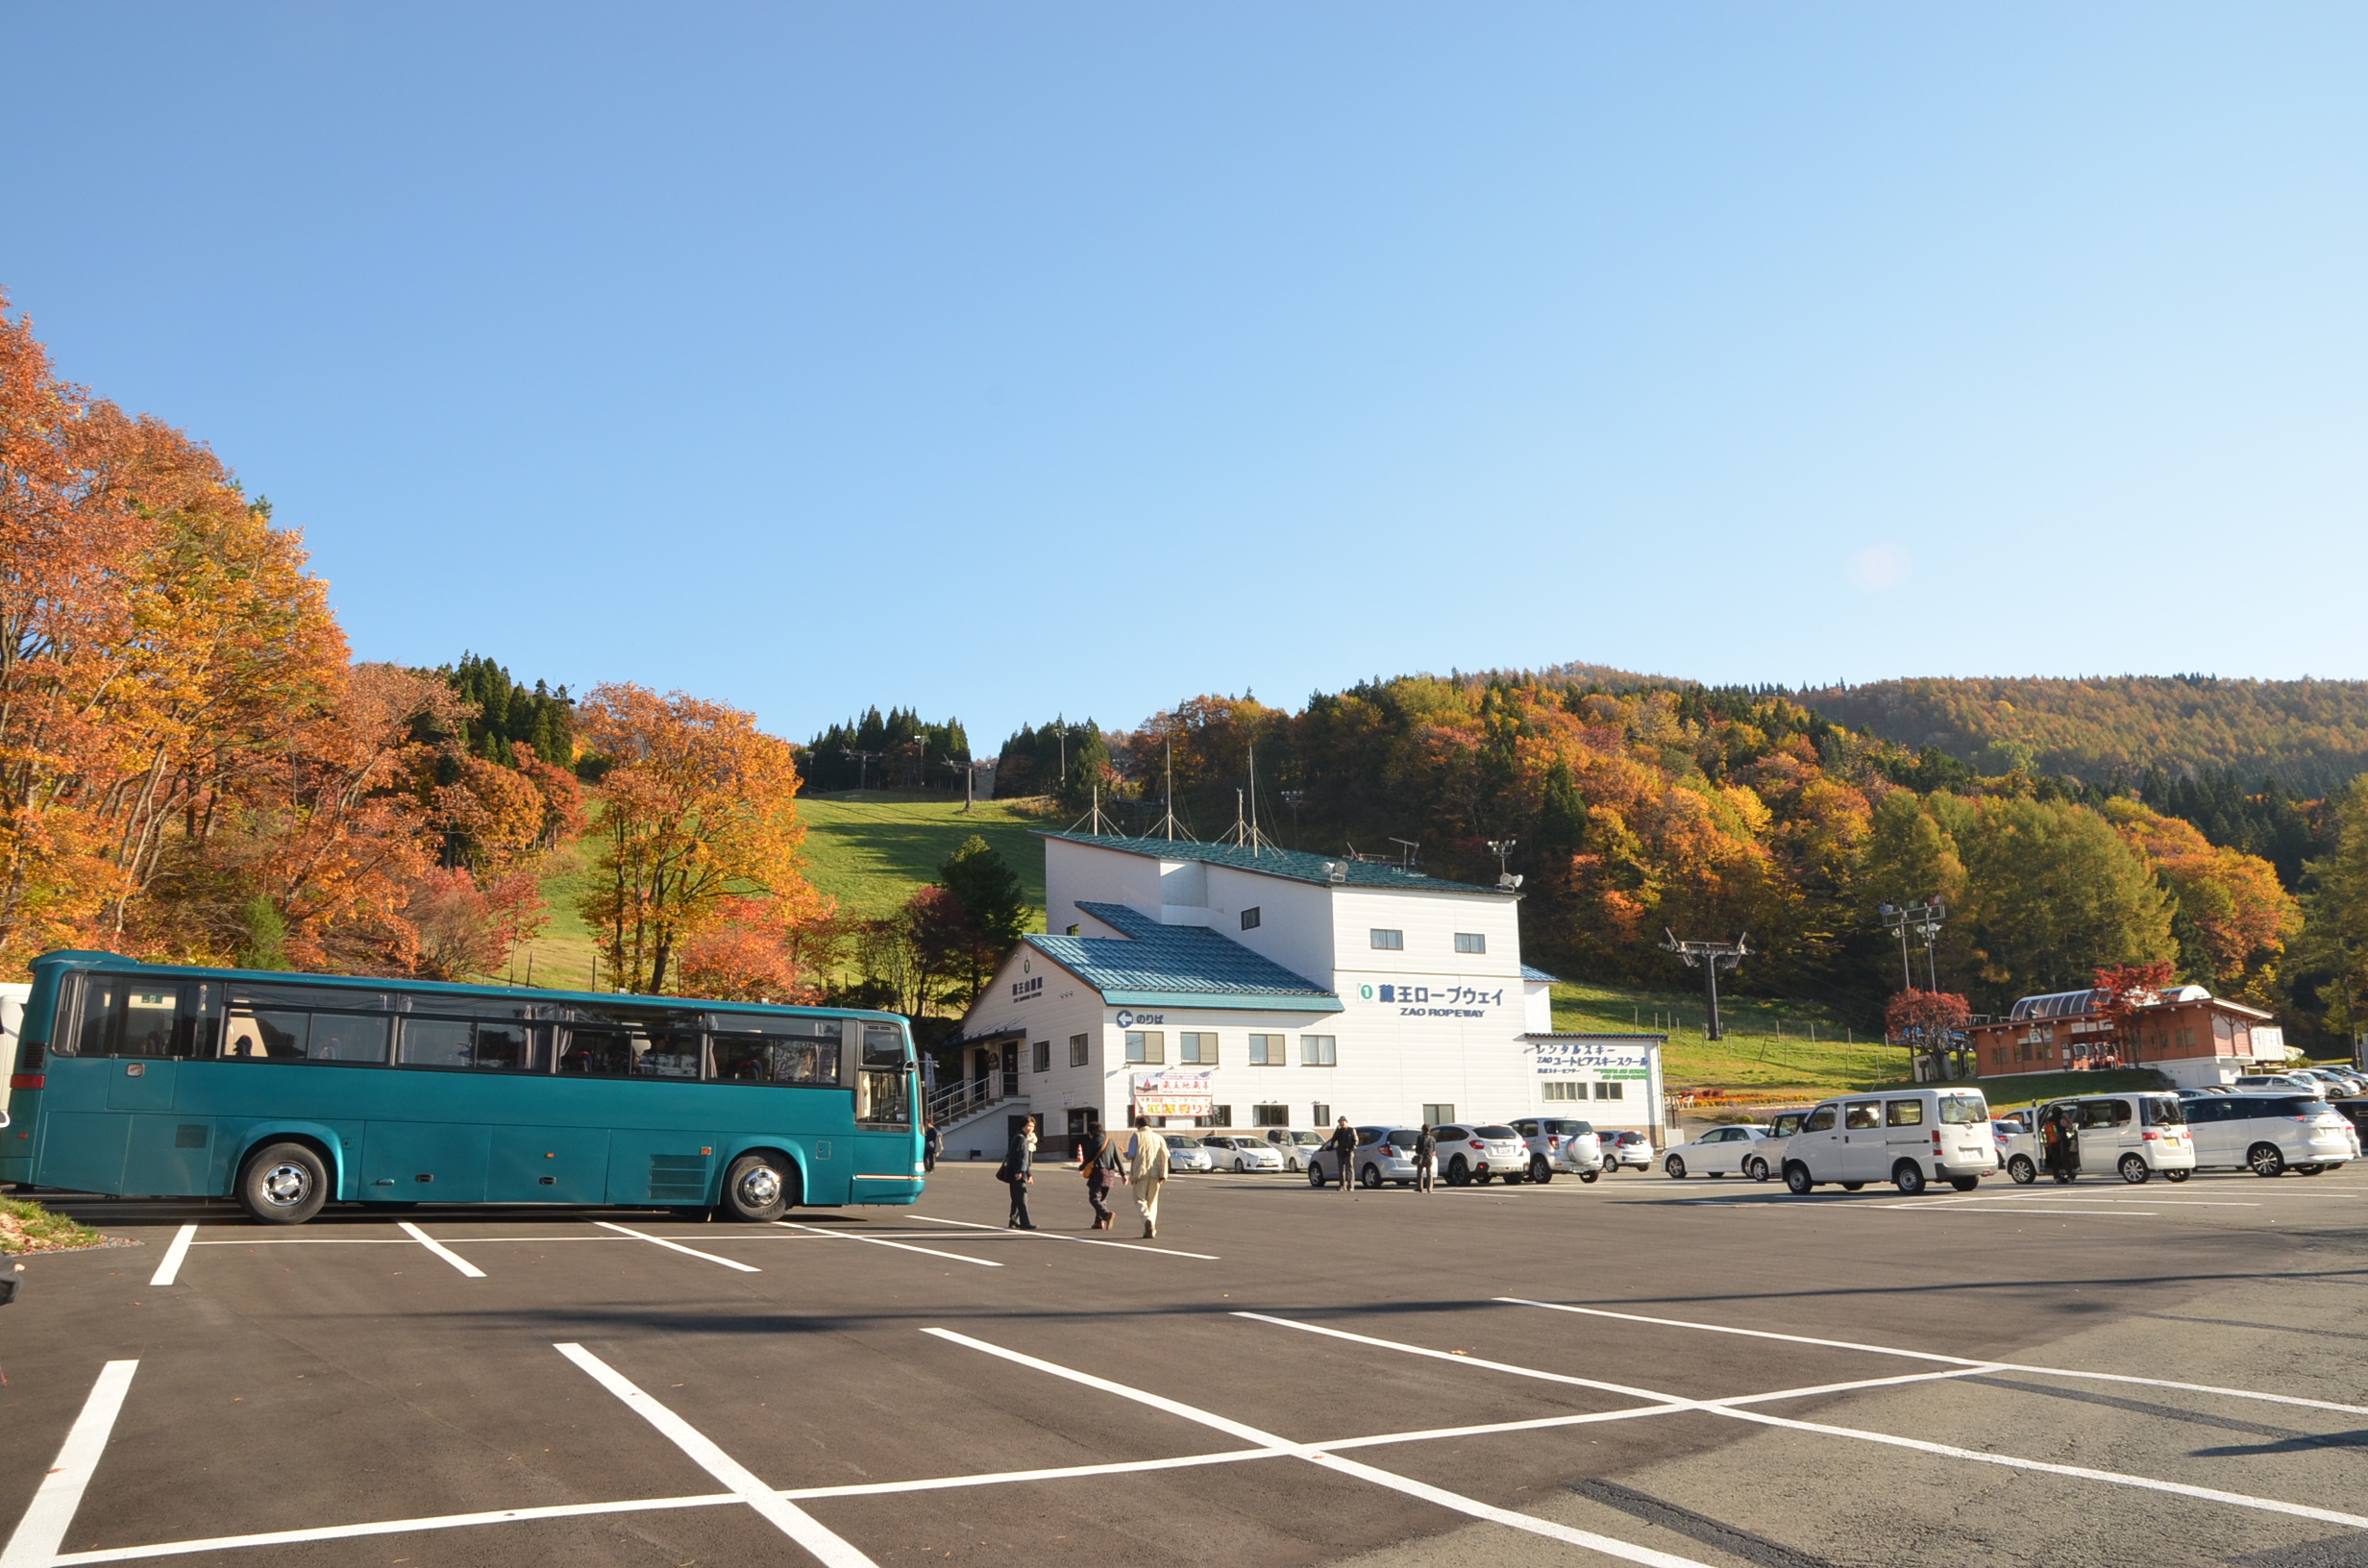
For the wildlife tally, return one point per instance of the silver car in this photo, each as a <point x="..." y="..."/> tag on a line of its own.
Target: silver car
<point x="1186" y="1154"/>
<point x="1232" y="1153"/>
<point x="1294" y="1147"/>
<point x="1384" y="1154"/>
<point x="1558" y="1145"/>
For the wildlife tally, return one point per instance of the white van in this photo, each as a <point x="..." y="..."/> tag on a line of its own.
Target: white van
<point x="2136" y="1135"/>
<point x="1904" y="1136"/>
<point x="2271" y="1134"/>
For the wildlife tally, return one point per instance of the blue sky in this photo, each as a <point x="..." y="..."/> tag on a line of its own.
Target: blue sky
<point x="1002" y="360"/>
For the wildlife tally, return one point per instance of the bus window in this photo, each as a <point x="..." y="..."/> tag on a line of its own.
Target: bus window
<point x="508" y="1048"/>
<point x="258" y="1036"/>
<point x="348" y="1037"/>
<point x="598" y="1053"/>
<point x="880" y="1096"/>
<point x="117" y="1020"/>
<point x="436" y="1042"/>
<point x="757" y="1059"/>
<point x="883" y="1045"/>
<point x="666" y="1056"/>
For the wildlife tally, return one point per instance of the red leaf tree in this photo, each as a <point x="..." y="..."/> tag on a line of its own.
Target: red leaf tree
<point x="2125" y="991"/>
<point x="1927" y="1022"/>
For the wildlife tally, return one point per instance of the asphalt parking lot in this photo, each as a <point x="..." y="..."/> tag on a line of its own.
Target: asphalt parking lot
<point x="1640" y="1370"/>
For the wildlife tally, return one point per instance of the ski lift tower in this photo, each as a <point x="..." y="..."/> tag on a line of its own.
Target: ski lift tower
<point x="1710" y="957"/>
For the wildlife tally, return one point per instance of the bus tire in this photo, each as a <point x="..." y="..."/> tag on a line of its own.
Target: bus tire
<point x="283" y="1184"/>
<point x="759" y="1186"/>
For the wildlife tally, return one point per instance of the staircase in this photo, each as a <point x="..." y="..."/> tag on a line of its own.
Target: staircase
<point x="958" y="1108"/>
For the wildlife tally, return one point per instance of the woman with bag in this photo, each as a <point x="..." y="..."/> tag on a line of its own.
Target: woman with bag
<point x="1098" y="1157"/>
<point x="1019" y="1168"/>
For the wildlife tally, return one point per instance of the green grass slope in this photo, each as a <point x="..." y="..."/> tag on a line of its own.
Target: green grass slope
<point x="872" y="849"/>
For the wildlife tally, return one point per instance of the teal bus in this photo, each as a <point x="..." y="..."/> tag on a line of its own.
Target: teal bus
<point x="287" y="1092"/>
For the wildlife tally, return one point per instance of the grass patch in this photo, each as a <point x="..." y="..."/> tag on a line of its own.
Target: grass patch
<point x="28" y="1227"/>
<point x="1776" y="1048"/>
<point x="872" y="849"/>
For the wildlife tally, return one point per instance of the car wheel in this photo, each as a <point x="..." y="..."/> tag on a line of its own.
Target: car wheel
<point x="1588" y="1175"/>
<point x="283" y="1184"/>
<point x="2265" y="1159"/>
<point x="2134" y="1169"/>
<point x="1675" y="1167"/>
<point x="1369" y="1179"/>
<point x="1964" y="1183"/>
<point x="1540" y="1171"/>
<point x="1756" y="1168"/>
<point x="1796" y="1178"/>
<point x="1315" y="1174"/>
<point x="2177" y="1175"/>
<point x="1458" y="1174"/>
<point x="2022" y="1170"/>
<point x="1908" y="1177"/>
<point x="1852" y="1187"/>
<point x="758" y="1188"/>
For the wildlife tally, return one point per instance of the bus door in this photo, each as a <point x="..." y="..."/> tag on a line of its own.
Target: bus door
<point x="887" y="1154"/>
<point x="166" y="1153"/>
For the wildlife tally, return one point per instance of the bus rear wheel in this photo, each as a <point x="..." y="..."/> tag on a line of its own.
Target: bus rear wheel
<point x="759" y="1186"/>
<point x="283" y="1184"/>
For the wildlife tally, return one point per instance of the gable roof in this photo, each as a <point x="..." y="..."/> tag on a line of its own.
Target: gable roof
<point x="1289" y="863"/>
<point x="1178" y="966"/>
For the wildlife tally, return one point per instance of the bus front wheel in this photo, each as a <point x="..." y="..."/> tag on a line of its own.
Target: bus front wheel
<point x="759" y="1186"/>
<point x="283" y="1184"/>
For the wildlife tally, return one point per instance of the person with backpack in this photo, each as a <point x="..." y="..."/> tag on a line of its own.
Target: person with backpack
<point x="1097" y="1158"/>
<point x="1019" y="1170"/>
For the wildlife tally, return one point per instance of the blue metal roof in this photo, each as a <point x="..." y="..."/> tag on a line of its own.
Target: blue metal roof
<point x="1153" y="964"/>
<point x="1537" y="976"/>
<point x="1283" y="863"/>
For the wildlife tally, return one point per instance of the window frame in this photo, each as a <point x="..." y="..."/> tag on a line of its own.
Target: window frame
<point x="1471" y="942"/>
<point x="1320" y="1050"/>
<point x="1385" y="939"/>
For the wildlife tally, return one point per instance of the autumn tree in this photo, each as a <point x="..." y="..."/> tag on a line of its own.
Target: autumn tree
<point x="1928" y="1023"/>
<point x="698" y="809"/>
<point x="2124" y="990"/>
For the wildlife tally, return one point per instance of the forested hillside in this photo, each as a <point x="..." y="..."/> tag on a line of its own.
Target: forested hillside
<point x="2311" y="736"/>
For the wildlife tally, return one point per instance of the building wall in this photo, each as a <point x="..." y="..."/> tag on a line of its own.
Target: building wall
<point x="2206" y="1042"/>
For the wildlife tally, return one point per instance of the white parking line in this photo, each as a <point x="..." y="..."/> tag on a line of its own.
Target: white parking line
<point x="2050" y="1209"/>
<point x="882" y="1242"/>
<point x="676" y="1246"/>
<point x="1081" y="1241"/>
<point x="52" y="1511"/>
<point x="785" y="1516"/>
<point x="168" y="1267"/>
<point x="385" y="1526"/>
<point x="1438" y="1496"/>
<point x="468" y="1269"/>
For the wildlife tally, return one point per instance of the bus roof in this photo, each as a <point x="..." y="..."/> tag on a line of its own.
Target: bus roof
<point x="70" y="958"/>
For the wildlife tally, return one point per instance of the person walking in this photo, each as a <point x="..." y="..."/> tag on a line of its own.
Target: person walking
<point x="1098" y="1157"/>
<point x="1020" y="1162"/>
<point x="932" y="1145"/>
<point x="1146" y="1166"/>
<point x="1343" y="1143"/>
<point x="1426" y="1157"/>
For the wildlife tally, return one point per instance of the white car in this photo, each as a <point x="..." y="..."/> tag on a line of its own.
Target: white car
<point x="1479" y="1153"/>
<point x="1558" y="1146"/>
<point x="2139" y="1135"/>
<point x="1908" y="1136"/>
<point x="1766" y="1158"/>
<point x="1295" y="1147"/>
<point x="2270" y="1134"/>
<point x="1186" y="1154"/>
<point x="2280" y="1083"/>
<point x="1718" y="1152"/>
<point x="1384" y="1154"/>
<point x="1230" y="1153"/>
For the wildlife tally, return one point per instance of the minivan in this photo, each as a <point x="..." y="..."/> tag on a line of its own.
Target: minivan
<point x="2271" y="1134"/>
<point x="2135" y="1135"/>
<point x="1907" y="1137"/>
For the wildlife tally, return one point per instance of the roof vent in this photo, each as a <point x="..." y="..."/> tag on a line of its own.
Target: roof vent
<point x="1335" y="871"/>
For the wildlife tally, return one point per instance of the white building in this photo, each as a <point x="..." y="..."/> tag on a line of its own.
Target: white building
<point x="1212" y="986"/>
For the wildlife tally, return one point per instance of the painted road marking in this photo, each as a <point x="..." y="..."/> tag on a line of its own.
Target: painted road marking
<point x="468" y="1269"/>
<point x="46" y="1520"/>
<point x="1081" y="1241"/>
<point x="1455" y="1502"/>
<point x="882" y="1242"/>
<point x="168" y="1269"/>
<point x="676" y="1246"/>
<point x="785" y="1516"/>
<point x="385" y="1526"/>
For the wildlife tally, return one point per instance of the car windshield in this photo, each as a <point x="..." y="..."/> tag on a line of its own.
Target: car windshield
<point x="1497" y="1132"/>
<point x="2162" y="1110"/>
<point x="1964" y="1110"/>
<point x="1308" y="1139"/>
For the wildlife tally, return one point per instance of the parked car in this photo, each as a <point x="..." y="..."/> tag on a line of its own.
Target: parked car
<point x="1384" y="1154"/>
<point x="1560" y="1145"/>
<point x="1185" y="1153"/>
<point x="1905" y="1136"/>
<point x="1766" y="1158"/>
<point x="1233" y="1153"/>
<point x="1718" y="1152"/>
<point x="1294" y="1147"/>
<point x="1483" y="1153"/>
<point x="1632" y="1149"/>
<point x="2137" y="1136"/>
<point x="2280" y="1083"/>
<point x="2271" y="1134"/>
<point x="2003" y="1131"/>
<point x="2340" y="1085"/>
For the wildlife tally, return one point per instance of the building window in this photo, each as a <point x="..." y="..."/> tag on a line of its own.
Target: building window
<point x="1039" y="1056"/>
<point x="1610" y="1090"/>
<point x="1437" y="1115"/>
<point x="1269" y="1051"/>
<point x="1250" y="918"/>
<point x="2001" y="1055"/>
<point x="1198" y="1049"/>
<point x="1269" y="1116"/>
<point x="1471" y="942"/>
<point x="1219" y="1115"/>
<point x="1565" y="1091"/>
<point x="1389" y="942"/>
<point x="1071" y="931"/>
<point x="1077" y="1050"/>
<point x="1322" y="1117"/>
<point x="1318" y="1051"/>
<point x="1147" y="1045"/>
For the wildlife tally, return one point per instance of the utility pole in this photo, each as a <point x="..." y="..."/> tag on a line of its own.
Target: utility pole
<point x="1292" y="798"/>
<point x="1922" y="922"/>
<point x="1710" y="957"/>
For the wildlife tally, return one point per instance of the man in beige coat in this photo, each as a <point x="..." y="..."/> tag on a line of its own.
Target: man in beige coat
<point x="1146" y="1166"/>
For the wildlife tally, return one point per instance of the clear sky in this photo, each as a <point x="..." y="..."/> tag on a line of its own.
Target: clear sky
<point x="1006" y="360"/>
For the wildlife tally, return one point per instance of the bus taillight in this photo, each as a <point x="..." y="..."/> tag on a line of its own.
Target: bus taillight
<point x="28" y="1079"/>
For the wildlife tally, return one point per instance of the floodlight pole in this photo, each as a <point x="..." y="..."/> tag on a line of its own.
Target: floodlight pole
<point x="1710" y="957"/>
<point x="1923" y="921"/>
